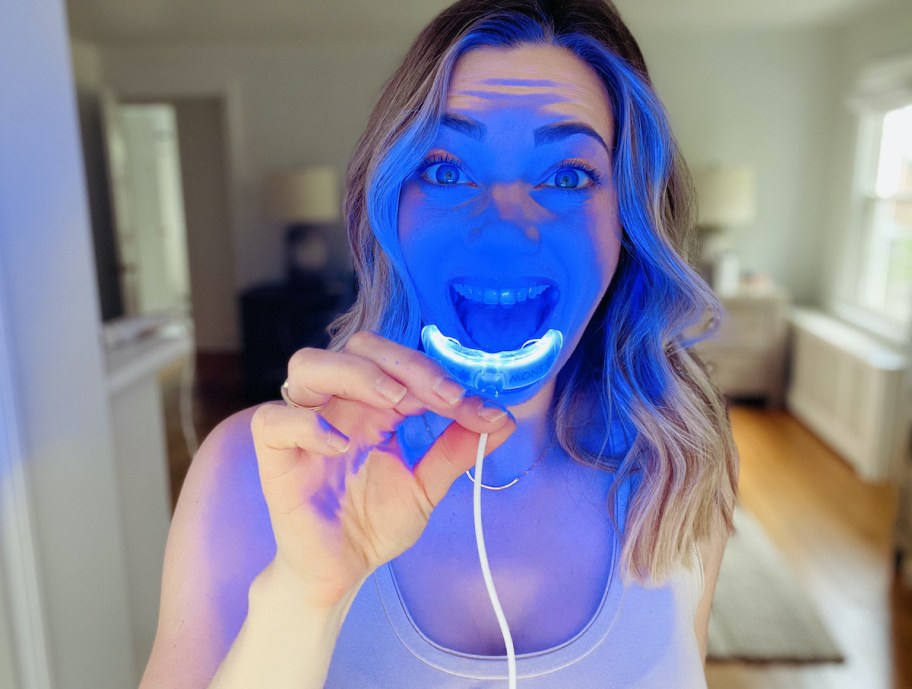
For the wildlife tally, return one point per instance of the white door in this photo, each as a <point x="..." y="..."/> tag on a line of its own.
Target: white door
<point x="147" y="198"/>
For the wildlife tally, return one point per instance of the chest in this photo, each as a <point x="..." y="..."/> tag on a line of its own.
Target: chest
<point x="550" y="560"/>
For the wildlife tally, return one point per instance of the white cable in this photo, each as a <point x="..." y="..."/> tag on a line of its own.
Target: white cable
<point x="485" y="569"/>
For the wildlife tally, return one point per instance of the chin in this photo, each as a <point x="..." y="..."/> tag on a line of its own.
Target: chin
<point x="512" y="398"/>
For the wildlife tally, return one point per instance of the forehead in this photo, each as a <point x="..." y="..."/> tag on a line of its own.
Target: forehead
<point x="545" y="81"/>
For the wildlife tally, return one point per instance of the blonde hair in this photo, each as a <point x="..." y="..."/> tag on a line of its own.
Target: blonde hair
<point x="632" y="381"/>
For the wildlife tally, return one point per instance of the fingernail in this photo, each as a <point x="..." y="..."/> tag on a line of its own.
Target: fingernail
<point x="491" y="412"/>
<point x="449" y="390"/>
<point x="338" y="441"/>
<point x="391" y="390"/>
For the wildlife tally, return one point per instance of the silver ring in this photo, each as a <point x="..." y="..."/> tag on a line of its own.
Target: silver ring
<point x="291" y="403"/>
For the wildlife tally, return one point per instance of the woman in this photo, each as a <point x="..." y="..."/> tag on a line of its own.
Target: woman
<point x="517" y="174"/>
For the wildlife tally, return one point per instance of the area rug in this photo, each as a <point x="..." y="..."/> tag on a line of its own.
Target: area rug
<point x="761" y="612"/>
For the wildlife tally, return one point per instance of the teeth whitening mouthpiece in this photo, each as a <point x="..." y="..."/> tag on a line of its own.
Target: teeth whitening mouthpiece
<point x="494" y="373"/>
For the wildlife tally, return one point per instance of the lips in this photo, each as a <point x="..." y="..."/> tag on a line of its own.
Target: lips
<point x="501" y="316"/>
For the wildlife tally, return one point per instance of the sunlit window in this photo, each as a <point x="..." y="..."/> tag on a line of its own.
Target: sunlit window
<point x="885" y="275"/>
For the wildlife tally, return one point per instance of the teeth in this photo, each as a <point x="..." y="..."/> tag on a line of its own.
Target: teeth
<point x="504" y="297"/>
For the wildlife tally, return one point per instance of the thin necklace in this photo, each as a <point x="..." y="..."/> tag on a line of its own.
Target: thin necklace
<point x="483" y="485"/>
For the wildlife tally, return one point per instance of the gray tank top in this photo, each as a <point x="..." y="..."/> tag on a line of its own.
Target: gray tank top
<point x="639" y="638"/>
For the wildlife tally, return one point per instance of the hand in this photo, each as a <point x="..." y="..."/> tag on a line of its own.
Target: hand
<point x="341" y="498"/>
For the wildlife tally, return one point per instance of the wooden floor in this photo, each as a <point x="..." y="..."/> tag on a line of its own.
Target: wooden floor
<point x="836" y="532"/>
<point x="833" y="529"/>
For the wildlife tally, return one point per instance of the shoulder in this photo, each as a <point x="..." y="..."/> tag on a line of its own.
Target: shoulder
<point x="221" y="495"/>
<point x="220" y="539"/>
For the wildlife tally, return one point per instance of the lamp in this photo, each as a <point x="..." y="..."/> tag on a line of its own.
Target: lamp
<point x="726" y="198"/>
<point x="306" y="201"/>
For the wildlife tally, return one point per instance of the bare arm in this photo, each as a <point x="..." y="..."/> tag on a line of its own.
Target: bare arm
<point x="226" y="609"/>
<point x="219" y="541"/>
<point x="285" y="641"/>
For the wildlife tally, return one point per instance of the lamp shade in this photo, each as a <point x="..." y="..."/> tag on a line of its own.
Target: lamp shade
<point x="725" y="194"/>
<point x="304" y="195"/>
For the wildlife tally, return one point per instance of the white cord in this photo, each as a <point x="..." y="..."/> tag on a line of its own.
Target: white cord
<point x="485" y="569"/>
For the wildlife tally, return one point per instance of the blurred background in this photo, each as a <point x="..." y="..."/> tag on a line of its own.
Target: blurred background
<point x="171" y="177"/>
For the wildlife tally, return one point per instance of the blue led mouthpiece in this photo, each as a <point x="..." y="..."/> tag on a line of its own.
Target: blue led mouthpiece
<point x="494" y="373"/>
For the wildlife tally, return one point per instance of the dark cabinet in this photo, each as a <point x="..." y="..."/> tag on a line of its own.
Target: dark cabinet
<point x="277" y="320"/>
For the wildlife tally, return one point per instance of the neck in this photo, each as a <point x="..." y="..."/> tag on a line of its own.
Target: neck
<point x="527" y="444"/>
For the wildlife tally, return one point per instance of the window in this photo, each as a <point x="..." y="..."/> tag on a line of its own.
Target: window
<point x="884" y="282"/>
<point x="877" y="292"/>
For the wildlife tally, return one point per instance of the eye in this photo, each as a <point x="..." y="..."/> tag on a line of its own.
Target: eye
<point x="443" y="170"/>
<point x="574" y="176"/>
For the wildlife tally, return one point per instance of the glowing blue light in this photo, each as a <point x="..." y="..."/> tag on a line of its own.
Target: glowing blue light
<point x="493" y="373"/>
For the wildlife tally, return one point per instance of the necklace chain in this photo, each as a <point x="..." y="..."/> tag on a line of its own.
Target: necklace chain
<point x="484" y="485"/>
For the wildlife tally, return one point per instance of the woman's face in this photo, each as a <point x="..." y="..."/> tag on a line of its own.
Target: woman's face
<point x="510" y="226"/>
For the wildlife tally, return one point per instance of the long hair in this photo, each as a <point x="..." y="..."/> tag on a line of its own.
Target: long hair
<point x="632" y="398"/>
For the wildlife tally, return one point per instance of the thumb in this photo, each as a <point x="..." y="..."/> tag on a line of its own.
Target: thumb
<point x="452" y="454"/>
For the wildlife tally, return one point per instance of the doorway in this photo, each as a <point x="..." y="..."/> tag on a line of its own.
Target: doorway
<point x="168" y="175"/>
<point x="151" y="227"/>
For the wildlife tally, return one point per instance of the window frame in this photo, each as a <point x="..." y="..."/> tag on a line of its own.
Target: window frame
<point x="849" y="303"/>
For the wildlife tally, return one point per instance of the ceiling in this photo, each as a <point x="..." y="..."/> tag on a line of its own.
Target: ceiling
<point x="119" y="21"/>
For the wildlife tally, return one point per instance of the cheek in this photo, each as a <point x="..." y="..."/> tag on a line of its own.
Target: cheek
<point x="413" y="224"/>
<point x="598" y="247"/>
<point x="607" y="249"/>
<point x="424" y="241"/>
<point x="409" y="214"/>
<point x="419" y="211"/>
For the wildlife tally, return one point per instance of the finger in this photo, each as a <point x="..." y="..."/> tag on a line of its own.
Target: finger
<point x="280" y="433"/>
<point x="316" y="375"/>
<point x="479" y="414"/>
<point x="411" y="406"/>
<point x="452" y="454"/>
<point x="425" y="378"/>
<point x="427" y="381"/>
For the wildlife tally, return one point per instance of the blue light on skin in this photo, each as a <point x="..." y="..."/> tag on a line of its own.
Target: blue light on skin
<point x="507" y="200"/>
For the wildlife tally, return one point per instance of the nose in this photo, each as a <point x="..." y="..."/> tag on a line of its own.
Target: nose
<point x="508" y="219"/>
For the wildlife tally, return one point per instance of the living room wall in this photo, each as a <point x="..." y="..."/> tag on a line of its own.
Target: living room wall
<point x="760" y="98"/>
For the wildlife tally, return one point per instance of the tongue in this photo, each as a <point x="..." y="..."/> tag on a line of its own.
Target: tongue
<point x="500" y="328"/>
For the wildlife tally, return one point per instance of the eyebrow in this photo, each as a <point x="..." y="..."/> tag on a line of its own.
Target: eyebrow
<point x="545" y="134"/>
<point x="555" y="132"/>
<point x="465" y="125"/>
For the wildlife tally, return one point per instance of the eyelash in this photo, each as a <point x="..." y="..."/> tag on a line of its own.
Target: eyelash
<point x="573" y="163"/>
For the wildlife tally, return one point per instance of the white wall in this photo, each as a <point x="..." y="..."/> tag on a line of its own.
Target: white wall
<point x="760" y="98"/>
<point x="67" y="503"/>
<point x="201" y="135"/>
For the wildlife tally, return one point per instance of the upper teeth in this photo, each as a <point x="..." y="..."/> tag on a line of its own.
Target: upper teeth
<point x="505" y="297"/>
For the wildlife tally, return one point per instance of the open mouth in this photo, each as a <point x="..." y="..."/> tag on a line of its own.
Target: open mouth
<point x="503" y="317"/>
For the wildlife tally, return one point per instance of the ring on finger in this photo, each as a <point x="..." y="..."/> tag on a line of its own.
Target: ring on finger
<point x="291" y="403"/>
